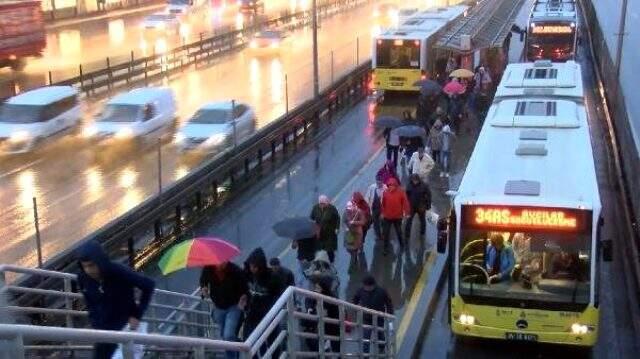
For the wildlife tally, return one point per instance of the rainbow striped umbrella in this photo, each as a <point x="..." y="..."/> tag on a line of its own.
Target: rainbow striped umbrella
<point x="197" y="252"/>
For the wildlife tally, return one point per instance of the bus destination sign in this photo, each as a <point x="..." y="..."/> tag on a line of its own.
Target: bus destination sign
<point x="552" y="29"/>
<point x="525" y="218"/>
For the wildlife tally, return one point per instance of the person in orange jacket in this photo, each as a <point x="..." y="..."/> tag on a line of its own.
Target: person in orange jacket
<point x="395" y="207"/>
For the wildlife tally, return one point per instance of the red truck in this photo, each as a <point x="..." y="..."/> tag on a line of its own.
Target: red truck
<point x="22" y="32"/>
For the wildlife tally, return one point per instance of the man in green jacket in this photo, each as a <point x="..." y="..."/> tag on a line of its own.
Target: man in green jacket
<point x="328" y="220"/>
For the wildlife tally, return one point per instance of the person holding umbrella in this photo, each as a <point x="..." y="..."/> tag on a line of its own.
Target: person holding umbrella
<point x="302" y="231"/>
<point x="327" y="218"/>
<point x="226" y="285"/>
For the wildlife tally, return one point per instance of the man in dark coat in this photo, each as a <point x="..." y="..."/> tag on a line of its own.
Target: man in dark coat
<point x="419" y="196"/>
<point x="108" y="290"/>
<point x="227" y="286"/>
<point x="263" y="290"/>
<point x="283" y="275"/>
<point x="327" y="218"/>
<point x="373" y="297"/>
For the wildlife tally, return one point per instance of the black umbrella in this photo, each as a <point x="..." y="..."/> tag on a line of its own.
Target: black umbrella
<point x="428" y="87"/>
<point x="387" y="122"/>
<point x="295" y="228"/>
<point x="409" y="131"/>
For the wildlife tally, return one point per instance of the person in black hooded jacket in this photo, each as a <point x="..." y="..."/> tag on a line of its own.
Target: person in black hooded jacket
<point x="108" y="290"/>
<point x="263" y="290"/>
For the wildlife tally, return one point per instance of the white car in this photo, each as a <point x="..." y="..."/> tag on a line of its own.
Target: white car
<point x="213" y="126"/>
<point x="162" y="22"/>
<point x="267" y="40"/>
<point x="35" y="115"/>
<point x="134" y="114"/>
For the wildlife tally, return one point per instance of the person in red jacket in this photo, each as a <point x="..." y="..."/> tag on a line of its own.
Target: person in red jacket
<point x="395" y="206"/>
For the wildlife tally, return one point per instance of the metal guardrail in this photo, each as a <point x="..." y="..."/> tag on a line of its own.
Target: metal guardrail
<point x="168" y="312"/>
<point x="134" y="71"/>
<point x="285" y="327"/>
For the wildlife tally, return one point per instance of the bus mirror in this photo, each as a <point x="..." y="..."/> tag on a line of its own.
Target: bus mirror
<point x="442" y="242"/>
<point x="607" y="250"/>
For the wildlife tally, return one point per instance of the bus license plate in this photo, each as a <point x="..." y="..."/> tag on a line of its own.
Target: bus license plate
<point x="397" y="84"/>
<point x="522" y="337"/>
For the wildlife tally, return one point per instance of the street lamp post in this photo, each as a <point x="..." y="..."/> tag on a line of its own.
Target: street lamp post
<point x="314" y="25"/>
<point x="621" y="33"/>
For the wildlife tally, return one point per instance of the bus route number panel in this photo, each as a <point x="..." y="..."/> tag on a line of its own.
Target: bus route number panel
<point x="526" y="218"/>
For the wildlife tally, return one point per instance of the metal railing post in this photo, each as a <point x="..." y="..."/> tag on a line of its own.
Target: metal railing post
<point x="320" y="321"/>
<point x="68" y="302"/>
<point x="127" y="350"/>
<point x="360" y="333"/>
<point x="373" y="340"/>
<point x="36" y="222"/>
<point x="17" y="348"/>
<point x="291" y="326"/>
<point x="343" y="330"/>
<point x="286" y="94"/>
<point x="198" y="352"/>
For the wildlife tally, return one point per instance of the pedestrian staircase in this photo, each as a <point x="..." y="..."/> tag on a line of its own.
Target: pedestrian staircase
<point x="52" y="323"/>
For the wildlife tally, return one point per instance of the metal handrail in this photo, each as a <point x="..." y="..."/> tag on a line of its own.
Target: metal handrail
<point x="283" y="314"/>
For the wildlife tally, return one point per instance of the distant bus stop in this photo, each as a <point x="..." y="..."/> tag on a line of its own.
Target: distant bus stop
<point x="482" y="37"/>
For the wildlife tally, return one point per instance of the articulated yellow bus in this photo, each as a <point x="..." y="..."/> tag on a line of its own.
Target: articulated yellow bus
<point x="403" y="56"/>
<point x="523" y="235"/>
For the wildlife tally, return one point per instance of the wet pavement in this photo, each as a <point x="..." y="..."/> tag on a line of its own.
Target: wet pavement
<point x="616" y="334"/>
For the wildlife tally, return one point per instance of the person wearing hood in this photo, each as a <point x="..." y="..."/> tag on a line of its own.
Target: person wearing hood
<point x="421" y="164"/>
<point x="354" y="219"/>
<point x="263" y="290"/>
<point x="395" y="206"/>
<point x="445" y="154"/>
<point x="327" y="218"/>
<point x="360" y="202"/>
<point x="226" y="285"/>
<point x="320" y="268"/>
<point x="387" y="172"/>
<point x="374" y="199"/>
<point x="419" y="196"/>
<point x="108" y="290"/>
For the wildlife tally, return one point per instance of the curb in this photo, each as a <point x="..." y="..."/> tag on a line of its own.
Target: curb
<point x="428" y="299"/>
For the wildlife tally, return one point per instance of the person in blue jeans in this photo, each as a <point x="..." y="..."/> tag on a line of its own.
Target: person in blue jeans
<point x="227" y="286"/>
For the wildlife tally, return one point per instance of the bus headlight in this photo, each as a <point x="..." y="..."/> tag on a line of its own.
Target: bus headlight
<point x="19" y="136"/>
<point x="467" y="319"/>
<point x="577" y="328"/>
<point x="216" y="139"/>
<point x="179" y="137"/>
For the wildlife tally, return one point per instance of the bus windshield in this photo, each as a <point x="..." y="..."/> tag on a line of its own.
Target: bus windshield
<point x="515" y="264"/>
<point x="398" y="54"/>
<point x="551" y="40"/>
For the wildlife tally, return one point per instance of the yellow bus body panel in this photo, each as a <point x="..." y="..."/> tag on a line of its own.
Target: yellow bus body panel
<point x="396" y="79"/>
<point x="549" y="326"/>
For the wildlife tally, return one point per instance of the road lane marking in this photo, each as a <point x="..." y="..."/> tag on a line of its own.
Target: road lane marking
<point x="415" y="296"/>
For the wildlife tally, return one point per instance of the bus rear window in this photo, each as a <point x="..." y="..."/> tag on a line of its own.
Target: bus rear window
<point x="398" y="54"/>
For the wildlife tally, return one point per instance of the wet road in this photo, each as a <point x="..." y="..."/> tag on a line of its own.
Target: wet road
<point x="616" y="334"/>
<point x="90" y="43"/>
<point x="78" y="194"/>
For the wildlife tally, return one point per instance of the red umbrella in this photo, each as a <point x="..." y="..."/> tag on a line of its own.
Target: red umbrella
<point x="454" y="88"/>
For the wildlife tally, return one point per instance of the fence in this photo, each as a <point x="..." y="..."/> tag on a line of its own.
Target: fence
<point x="82" y="8"/>
<point x="182" y="323"/>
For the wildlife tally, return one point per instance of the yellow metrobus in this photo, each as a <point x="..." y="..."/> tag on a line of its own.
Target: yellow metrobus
<point x="404" y="55"/>
<point x="523" y="233"/>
